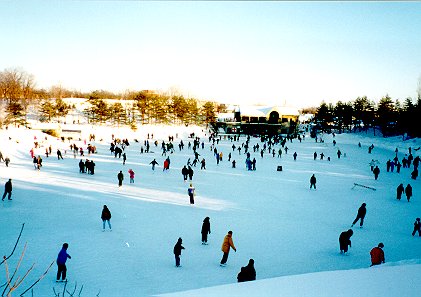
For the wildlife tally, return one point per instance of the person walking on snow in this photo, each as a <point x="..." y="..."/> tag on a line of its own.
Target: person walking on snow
<point x="376" y="172"/>
<point x="153" y="163"/>
<point x="120" y="178"/>
<point x="345" y="240"/>
<point x="417" y="227"/>
<point x="131" y="175"/>
<point x="205" y="230"/>
<point x="313" y="181"/>
<point x="61" y="263"/>
<point x="408" y="192"/>
<point x="190" y="191"/>
<point x="399" y="191"/>
<point x="226" y="245"/>
<point x="177" y="251"/>
<point x="377" y="255"/>
<point x="7" y="190"/>
<point x="360" y="215"/>
<point x="106" y="217"/>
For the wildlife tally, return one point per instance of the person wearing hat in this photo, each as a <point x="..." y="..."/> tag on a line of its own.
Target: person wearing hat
<point x="177" y="251"/>
<point x="226" y="245"/>
<point x="205" y="230"/>
<point x="360" y="215"/>
<point x="417" y="227"/>
<point x="377" y="254"/>
<point x="345" y="240"/>
<point x="61" y="263"/>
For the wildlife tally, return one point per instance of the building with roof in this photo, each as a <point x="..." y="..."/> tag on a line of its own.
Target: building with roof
<point x="261" y="120"/>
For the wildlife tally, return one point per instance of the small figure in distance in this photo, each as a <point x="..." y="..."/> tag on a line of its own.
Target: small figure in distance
<point x="313" y="182"/>
<point x="177" y="251"/>
<point x="205" y="230"/>
<point x="417" y="227"/>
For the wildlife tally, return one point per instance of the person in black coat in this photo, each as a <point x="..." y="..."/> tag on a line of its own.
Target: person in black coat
<point x="81" y="167"/>
<point x="120" y="178"/>
<point x="417" y="227"/>
<point x="205" y="230"/>
<point x="247" y="273"/>
<point x="184" y="172"/>
<point x="177" y="251"/>
<point x="360" y="215"/>
<point x="345" y="240"/>
<point x="313" y="181"/>
<point x="408" y="192"/>
<point x="376" y="172"/>
<point x="106" y="217"/>
<point x="7" y="190"/>
<point x="399" y="191"/>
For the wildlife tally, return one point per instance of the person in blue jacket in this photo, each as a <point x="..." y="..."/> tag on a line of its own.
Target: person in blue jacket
<point x="61" y="263"/>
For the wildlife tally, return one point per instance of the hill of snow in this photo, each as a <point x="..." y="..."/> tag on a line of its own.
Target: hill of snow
<point x="276" y="219"/>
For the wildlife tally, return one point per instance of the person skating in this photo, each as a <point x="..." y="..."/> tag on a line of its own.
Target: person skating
<point x="105" y="217"/>
<point x="226" y="245"/>
<point x="377" y="255"/>
<point x="190" y="191"/>
<point x="177" y="251"/>
<point x="120" y="178"/>
<point x="345" y="240"/>
<point x="153" y="163"/>
<point x="61" y="263"/>
<point x="417" y="227"/>
<point x="408" y="192"/>
<point x="185" y="173"/>
<point x="131" y="175"/>
<point x="376" y="172"/>
<point x="205" y="230"/>
<point x="313" y="181"/>
<point x="360" y="215"/>
<point x="247" y="273"/>
<point x="7" y="161"/>
<point x="8" y="190"/>
<point x="81" y="167"/>
<point x="399" y="191"/>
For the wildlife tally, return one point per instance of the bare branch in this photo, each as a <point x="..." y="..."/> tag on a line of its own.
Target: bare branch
<point x="17" y="241"/>
<point x="39" y="279"/>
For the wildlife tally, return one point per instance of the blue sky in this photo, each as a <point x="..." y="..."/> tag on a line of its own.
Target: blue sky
<point x="298" y="53"/>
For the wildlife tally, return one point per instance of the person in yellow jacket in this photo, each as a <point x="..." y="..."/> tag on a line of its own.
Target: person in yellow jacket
<point x="226" y="245"/>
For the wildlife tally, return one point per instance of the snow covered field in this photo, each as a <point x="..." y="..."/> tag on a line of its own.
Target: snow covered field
<point x="276" y="219"/>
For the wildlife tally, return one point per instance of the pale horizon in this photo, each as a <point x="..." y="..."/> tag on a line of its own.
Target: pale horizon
<point x="298" y="53"/>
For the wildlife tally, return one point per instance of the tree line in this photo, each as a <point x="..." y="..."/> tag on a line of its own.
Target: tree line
<point x="390" y="116"/>
<point x="19" y="94"/>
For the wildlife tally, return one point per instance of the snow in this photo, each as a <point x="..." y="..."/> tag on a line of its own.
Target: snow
<point x="289" y="230"/>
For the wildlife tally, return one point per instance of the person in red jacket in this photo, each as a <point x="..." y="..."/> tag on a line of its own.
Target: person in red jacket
<point x="377" y="254"/>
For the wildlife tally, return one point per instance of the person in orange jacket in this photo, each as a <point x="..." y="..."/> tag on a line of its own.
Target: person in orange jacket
<point x="377" y="254"/>
<point x="226" y="245"/>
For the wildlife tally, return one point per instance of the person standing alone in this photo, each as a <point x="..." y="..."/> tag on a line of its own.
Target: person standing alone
<point x="8" y="190"/>
<point x="61" y="263"/>
<point x="205" y="230"/>
<point x="226" y="245"/>
<point x="120" y="178"/>
<point x="313" y="181"/>
<point x="106" y="217"/>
